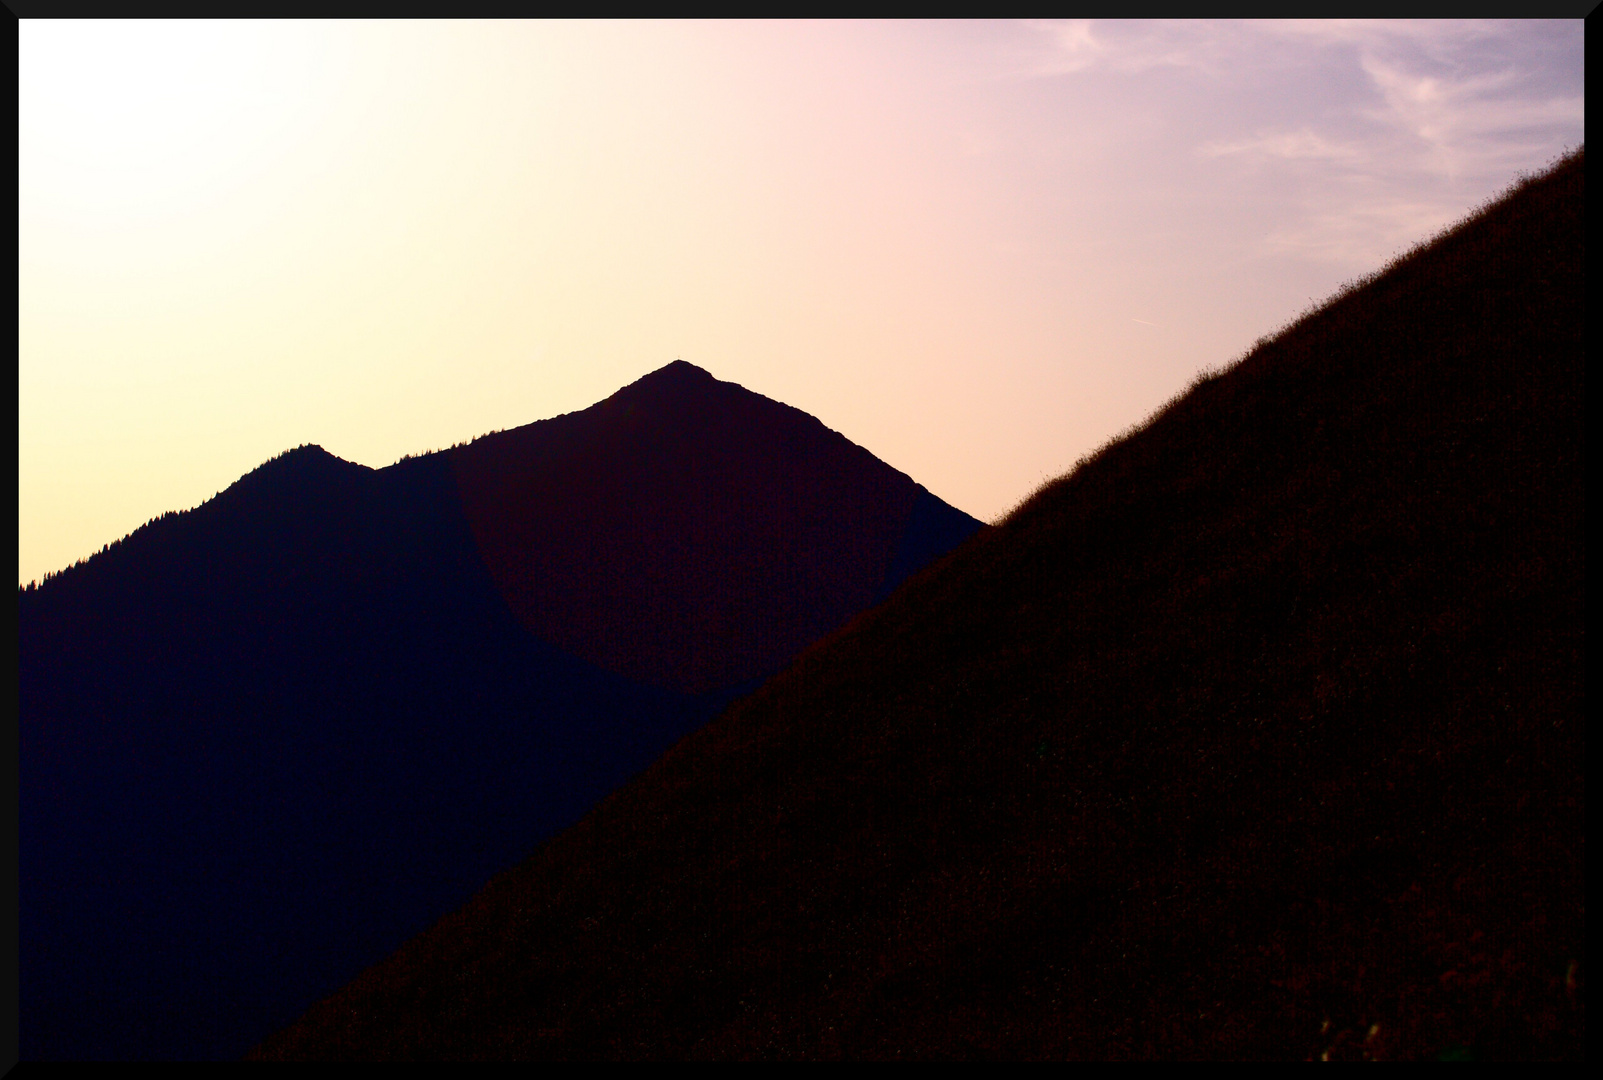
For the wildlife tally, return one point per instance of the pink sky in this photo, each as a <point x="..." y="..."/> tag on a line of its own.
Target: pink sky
<point x="977" y="249"/>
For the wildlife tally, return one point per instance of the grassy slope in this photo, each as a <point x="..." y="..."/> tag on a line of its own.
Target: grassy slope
<point x="1260" y="729"/>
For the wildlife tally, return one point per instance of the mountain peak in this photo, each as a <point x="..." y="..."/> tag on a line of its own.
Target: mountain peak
<point x="306" y="458"/>
<point x="681" y="369"/>
<point x="679" y="374"/>
<point x="305" y="468"/>
<point x="681" y="494"/>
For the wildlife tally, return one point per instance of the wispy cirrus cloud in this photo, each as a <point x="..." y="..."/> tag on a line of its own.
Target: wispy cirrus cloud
<point x="1066" y="47"/>
<point x="1449" y="85"/>
<point x="1342" y="141"/>
<point x="1469" y="122"/>
<point x="1073" y="48"/>
<point x="1303" y="144"/>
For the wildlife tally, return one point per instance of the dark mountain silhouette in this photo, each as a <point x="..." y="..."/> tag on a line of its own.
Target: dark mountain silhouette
<point x="1261" y="734"/>
<point x="733" y="530"/>
<point x="265" y="741"/>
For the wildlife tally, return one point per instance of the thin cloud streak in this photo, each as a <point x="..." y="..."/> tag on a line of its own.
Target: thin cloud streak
<point x="1286" y="145"/>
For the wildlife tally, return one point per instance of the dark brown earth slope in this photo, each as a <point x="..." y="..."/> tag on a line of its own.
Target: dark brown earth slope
<point x="1260" y="735"/>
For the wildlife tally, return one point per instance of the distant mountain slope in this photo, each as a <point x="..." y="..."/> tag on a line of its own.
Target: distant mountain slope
<point x="266" y="740"/>
<point x="685" y="532"/>
<point x="1261" y="734"/>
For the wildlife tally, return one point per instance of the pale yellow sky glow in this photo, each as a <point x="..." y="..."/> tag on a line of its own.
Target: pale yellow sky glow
<point x="977" y="249"/>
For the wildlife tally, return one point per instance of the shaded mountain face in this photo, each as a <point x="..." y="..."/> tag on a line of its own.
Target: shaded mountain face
<point x="686" y="532"/>
<point x="265" y="741"/>
<point x="1261" y="735"/>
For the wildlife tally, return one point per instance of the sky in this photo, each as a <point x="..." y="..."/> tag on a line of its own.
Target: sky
<point x="978" y="249"/>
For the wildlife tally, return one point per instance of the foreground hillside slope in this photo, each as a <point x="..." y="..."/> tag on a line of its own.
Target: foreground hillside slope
<point x="1259" y="735"/>
<point x="267" y="740"/>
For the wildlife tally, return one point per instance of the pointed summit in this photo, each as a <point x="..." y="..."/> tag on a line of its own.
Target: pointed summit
<point x="680" y="371"/>
<point x="672" y="381"/>
<point x="685" y="532"/>
<point x="303" y="457"/>
<point x="297" y="473"/>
